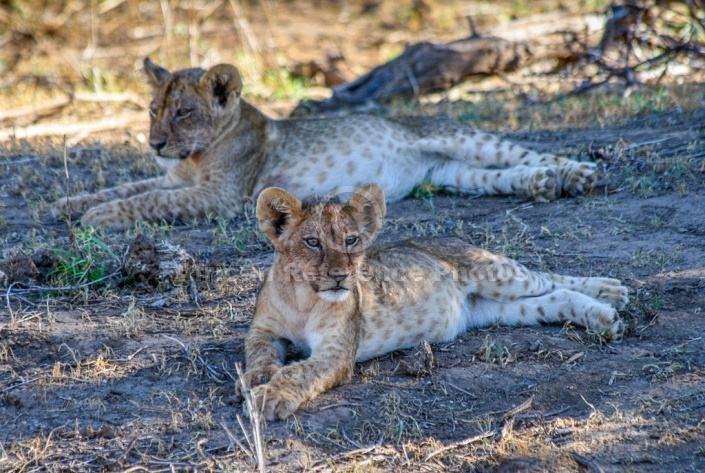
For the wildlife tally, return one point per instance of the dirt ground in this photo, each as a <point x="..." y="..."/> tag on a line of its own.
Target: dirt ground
<point x="135" y="372"/>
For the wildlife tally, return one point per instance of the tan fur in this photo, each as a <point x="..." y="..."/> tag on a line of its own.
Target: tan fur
<point x="341" y="300"/>
<point x="220" y="151"/>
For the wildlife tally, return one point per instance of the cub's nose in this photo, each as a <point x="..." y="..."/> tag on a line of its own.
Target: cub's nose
<point x="338" y="275"/>
<point x="157" y="145"/>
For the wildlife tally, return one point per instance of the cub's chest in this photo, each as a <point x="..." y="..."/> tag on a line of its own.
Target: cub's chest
<point x="305" y="319"/>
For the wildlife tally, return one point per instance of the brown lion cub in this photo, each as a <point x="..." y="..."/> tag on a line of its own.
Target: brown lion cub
<point x="341" y="300"/>
<point x="220" y="151"/>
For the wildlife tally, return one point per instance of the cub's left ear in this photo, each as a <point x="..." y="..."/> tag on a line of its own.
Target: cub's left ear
<point x="222" y="82"/>
<point x="276" y="208"/>
<point x="368" y="208"/>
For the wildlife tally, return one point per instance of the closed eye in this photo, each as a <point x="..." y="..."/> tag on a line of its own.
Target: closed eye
<point x="183" y="113"/>
<point x="153" y="110"/>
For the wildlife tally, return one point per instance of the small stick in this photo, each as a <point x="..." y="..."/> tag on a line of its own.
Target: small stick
<point x="518" y="409"/>
<point x="256" y="421"/>
<point x="40" y="378"/>
<point x="471" y="395"/>
<point x="585" y="462"/>
<point x="7" y="299"/>
<point x="471" y="23"/>
<point x="72" y="237"/>
<point x="462" y="443"/>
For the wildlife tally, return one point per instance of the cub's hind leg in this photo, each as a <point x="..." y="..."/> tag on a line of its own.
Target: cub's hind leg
<point x="606" y="290"/>
<point x="536" y="182"/>
<point x="484" y="150"/>
<point x="574" y="177"/>
<point x="501" y="290"/>
<point x="559" y="306"/>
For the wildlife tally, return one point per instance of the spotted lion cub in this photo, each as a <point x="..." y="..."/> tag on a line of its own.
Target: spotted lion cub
<point x="220" y="151"/>
<point x="341" y="300"/>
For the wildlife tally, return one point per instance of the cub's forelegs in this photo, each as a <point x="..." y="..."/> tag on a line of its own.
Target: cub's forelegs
<point x="178" y="204"/>
<point x="278" y="391"/>
<point x="80" y="203"/>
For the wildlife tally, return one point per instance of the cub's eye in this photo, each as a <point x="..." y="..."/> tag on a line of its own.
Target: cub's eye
<point x="312" y="242"/>
<point x="153" y="110"/>
<point x="183" y="112"/>
<point x="351" y="240"/>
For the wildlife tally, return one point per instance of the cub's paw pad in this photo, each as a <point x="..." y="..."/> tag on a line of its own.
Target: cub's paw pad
<point x="616" y="331"/>
<point x="543" y="185"/>
<point x="578" y="178"/>
<point x="606" y="322"/>
<point x="616" y="296"/>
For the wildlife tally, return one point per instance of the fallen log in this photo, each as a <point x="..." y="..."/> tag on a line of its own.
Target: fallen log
<point x="427" y="67"/>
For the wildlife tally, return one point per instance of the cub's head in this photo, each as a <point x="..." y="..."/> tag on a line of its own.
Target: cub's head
<point x="190" y="107"/>
<point x="321" y="241"/>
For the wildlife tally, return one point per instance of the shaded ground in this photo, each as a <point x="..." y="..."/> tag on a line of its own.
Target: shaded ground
<point x="135" y="375"/>
<point x="135" y="372"/>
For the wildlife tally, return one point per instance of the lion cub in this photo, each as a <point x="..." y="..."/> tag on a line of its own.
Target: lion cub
<point x="220" y="152"/>
<point x="341" y="300"/>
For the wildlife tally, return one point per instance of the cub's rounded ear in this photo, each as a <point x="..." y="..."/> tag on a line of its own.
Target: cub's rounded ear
<point x="222" y="82"/>
<point x="368" y="208"/>
<point x="156" y="75"/>
<point x="275" y="210"/>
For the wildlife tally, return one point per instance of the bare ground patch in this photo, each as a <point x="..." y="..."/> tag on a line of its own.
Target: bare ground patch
<point x="132" y="374"/>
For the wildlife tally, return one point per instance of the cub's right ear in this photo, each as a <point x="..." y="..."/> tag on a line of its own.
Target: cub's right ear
<point x="156" y="75"/>
<point x="276" y="208"/>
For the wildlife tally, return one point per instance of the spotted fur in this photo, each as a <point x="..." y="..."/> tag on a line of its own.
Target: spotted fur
<point x="341" y="300"/>
<point x="220" y="151"/>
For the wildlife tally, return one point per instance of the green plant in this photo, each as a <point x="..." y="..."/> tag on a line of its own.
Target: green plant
<point x="426" y="189"/>
<point x="399" y="420"/>
<point x="283" y="85"/>
<point x="495" y="352"/>
<point x="247" y="237"/>
<point x="85" y="262"/>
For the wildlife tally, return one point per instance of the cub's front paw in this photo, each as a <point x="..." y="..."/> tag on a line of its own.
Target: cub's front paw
<point x="59" y="209"/>
<point x="106" y="216"/>
<point x="273" y="403"/>
<point x="78" y="205"/>
<point x="255" y="377"/>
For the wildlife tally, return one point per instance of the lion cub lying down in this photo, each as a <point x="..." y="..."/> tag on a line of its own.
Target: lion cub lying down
<point x="220" y="151"/>
<point x="341" y="300"/>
